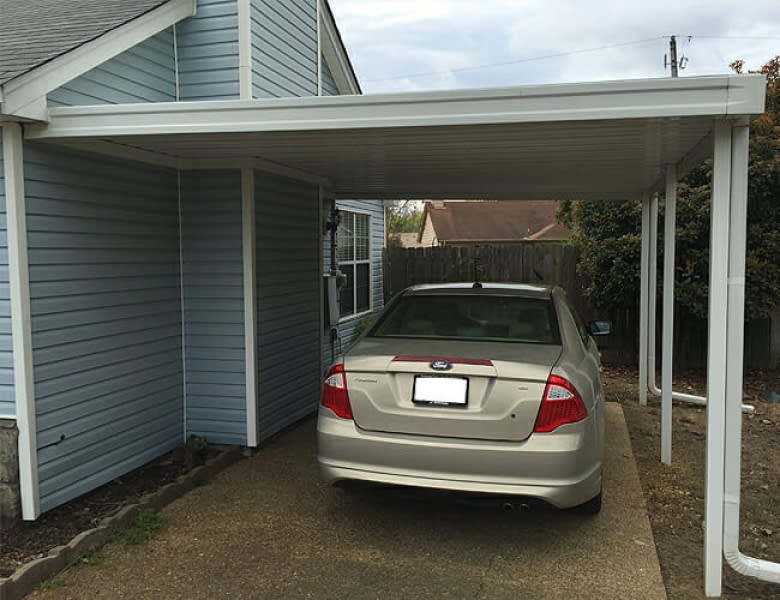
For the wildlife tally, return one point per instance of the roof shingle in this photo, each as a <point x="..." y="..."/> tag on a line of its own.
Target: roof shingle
<point x="495" y="221"/>
<point x="33" y="32"/>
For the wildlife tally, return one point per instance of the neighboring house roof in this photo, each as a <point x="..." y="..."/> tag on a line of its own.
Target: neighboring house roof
<point x="493" y="221"/>
<point x="33" y="32"/>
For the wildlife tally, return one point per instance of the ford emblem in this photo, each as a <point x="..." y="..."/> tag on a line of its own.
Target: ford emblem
<point x="441" y="365"/>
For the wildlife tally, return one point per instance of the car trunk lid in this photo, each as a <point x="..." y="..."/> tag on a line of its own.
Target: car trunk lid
<point x="476" y="397"/>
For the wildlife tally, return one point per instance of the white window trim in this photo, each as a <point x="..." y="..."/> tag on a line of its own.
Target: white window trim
<point x="370" y="261"/>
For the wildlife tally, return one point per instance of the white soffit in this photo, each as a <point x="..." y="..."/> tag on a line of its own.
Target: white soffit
<point x="606" y="140"/>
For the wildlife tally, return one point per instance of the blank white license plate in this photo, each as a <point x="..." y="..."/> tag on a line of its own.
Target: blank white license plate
<point x="441" y="390"/>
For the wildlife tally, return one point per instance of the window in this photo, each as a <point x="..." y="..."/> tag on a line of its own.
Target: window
<point x="467" y="317"/>
<point x="354" y="258"/>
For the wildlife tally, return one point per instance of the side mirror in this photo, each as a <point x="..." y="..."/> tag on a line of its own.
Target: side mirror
<point x="600" y="327"/>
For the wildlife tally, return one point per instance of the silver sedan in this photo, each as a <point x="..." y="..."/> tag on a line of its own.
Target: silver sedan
<point x="490" y="388"/>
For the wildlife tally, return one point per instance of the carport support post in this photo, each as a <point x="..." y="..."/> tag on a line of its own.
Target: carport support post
<point x="652" y="285"/>
<point x="250" y="301"/>
<point x="21" y="328"/>
<point x="670" y="215"/>
<point x="717" y="360"/>
<point x="643" y="299"/>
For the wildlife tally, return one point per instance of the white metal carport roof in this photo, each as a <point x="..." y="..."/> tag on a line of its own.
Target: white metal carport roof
<point x="608" y="140"/>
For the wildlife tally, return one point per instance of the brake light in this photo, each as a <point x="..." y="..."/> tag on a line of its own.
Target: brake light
<point x="561" y="404"/>
<point x="334" y="392"/>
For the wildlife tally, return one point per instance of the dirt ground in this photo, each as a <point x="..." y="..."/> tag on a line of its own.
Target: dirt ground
<point x="675" y="494"/>
<point x="57" y="527"/>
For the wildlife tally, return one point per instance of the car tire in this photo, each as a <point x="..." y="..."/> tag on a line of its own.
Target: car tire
<point x="591" y="507"/>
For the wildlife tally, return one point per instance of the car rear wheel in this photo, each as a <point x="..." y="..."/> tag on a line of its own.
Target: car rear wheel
<point x="591" y="507"/>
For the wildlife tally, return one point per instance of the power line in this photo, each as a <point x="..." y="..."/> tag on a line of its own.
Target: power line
<point x="733" y="37"/>
<point x="518" y="61"/>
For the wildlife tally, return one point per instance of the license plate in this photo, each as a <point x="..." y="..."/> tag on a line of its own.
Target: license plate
<point x="441" y="391"/>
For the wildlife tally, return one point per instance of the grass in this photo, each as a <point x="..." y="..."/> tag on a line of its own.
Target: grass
<point x="145" y="525"/>
<point x="201" y="480"/>
<point x="52" y="583"/>
<point x="93" y="558"/>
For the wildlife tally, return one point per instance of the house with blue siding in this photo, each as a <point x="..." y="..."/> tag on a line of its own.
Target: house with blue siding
<point x="145" y="297"/>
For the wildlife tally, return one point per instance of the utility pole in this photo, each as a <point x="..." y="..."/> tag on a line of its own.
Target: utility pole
<point x="673" y="55"/>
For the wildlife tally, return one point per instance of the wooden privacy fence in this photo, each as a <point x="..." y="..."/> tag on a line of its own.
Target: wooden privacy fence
<point x="527" y="262"/>
<point x="556" y="263"/>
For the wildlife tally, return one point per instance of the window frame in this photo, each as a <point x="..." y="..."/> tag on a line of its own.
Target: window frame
<point x="352" y="213"/>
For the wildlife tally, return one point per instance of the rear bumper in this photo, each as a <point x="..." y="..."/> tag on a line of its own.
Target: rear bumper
<point x="562" y="468"/>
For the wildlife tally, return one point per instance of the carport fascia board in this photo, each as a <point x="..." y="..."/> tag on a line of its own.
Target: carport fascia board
<point x="716" y="96"/>
<point x="25" y="95"/>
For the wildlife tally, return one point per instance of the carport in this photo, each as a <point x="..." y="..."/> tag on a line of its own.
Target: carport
<point x="606" y="141"/>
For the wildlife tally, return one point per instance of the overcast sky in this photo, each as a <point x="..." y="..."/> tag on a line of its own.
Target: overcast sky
<point x="406" y="45"/>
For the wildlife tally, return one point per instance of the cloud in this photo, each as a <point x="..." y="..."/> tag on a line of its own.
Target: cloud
<point x="393" y="42"/>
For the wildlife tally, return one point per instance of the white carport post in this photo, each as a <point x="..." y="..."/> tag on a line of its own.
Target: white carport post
<point x="716" y="359"/>
<point x="670" y="215"/>
<point x="735" y="332"/>
<point x="643" y="299"/>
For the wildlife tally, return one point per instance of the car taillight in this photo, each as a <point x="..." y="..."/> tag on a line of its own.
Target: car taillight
<point x="334" y="392"/>
<point x="561" y="404"/>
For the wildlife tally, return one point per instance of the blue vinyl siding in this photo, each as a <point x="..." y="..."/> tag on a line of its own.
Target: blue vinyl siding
<point x="7" y="401"/>
<point x="329" y="87"/>
<point x="208" y="52"/>
<point x="375" y="208"/>
<point x="145" y="73"/>
<point x="288" y="301"/>
<point x="106" y="326"/>
<point x="284" y="48"/>
<point x="214" y="305"/>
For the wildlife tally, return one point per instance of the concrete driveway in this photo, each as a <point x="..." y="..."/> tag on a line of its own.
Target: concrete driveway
<point x="269" y="528"/>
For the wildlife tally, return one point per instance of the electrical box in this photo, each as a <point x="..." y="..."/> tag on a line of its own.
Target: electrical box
<point x="333" y="283"/>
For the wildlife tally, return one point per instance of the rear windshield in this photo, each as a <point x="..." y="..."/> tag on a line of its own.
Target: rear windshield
<point x="470" y="317"/>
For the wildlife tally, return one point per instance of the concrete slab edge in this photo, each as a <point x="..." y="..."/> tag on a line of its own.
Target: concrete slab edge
<point x="29" y="576"/>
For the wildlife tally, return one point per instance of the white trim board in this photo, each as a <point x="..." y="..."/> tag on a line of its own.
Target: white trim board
<point x="250" y="302"/>
<point x="21" y="328"/>
<point x="245" y="49"/>
<point x="25" y="95"/>
<point x="333" y="51"/>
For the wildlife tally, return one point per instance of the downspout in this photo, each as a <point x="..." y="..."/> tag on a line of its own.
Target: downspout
<point x="741" y="563"/>
<point x="643" y="298"/>
<point x="652" y="387"/>
<point x="667" y="341"/>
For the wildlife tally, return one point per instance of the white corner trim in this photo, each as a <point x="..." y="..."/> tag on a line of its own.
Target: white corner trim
<point x="334" y="53"/>
<point x="33" y="86"/>
<point x="185" y="431"/>
<point x="250" y="302"/>
<point x="245" y="49"/>
<point x="319" y="47"/>
<point x="21" y="329"/>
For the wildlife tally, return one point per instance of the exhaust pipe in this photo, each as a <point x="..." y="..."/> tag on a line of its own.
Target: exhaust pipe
<point x="511" y="506"/>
